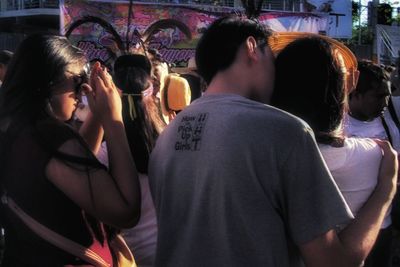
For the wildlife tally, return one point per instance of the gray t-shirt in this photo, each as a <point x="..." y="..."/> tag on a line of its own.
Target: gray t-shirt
<point x="239" y="183"/>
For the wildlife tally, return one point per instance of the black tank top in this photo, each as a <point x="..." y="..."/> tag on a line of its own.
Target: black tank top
<point x="25" y="182"/>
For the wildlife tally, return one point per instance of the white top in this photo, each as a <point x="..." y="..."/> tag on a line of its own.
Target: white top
<point x="355" y="168"/>
<point x="142" y="239"/>
<point x="365" y="129"/>
<point x="374" y="128"/>
<point x="102" y="154"/>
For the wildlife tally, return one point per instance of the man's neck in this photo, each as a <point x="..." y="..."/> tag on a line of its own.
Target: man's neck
<point x="226" y="83"/>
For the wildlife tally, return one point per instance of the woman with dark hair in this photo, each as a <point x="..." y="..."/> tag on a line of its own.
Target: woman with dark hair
<point x="143" y="124"/>
<point x="53" y="186"/>
<point x="313" y="79"/>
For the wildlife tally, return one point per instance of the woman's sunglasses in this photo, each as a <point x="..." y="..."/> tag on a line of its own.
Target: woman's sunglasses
<point x="80" y="79"/>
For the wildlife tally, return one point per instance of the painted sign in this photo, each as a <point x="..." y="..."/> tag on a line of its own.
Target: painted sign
<point x="173" y="44"/>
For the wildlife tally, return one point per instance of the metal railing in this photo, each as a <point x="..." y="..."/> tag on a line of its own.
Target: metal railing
<point x="279" y="5"/>
<point x="283" y="5"/>
<point x="229" y="3"/>
<point x="12" y="5"/>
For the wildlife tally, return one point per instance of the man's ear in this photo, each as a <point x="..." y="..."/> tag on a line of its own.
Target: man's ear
<point x="251" y="47"/>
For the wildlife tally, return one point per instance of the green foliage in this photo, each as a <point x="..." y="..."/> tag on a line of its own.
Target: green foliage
<point x="385" y="14"/>
<point x="355" y="8"/>
<point x="367" y="35"/>
<point x="396" y="20"/>
<point x="364" y="30"/>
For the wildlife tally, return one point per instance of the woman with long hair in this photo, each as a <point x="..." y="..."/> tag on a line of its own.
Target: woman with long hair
<point x="314" y="75"/>
<point x="49" y="172"/>
<point x="143" y="124"/>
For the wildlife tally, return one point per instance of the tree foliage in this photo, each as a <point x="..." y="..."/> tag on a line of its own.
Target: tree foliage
<point x="362" y="29"/>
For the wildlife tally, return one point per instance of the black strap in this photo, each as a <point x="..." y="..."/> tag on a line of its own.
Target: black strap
<point x="386" y="127"/>
<point x="395" y="119"/>
<point x="393" y="114"/>
<point x="396" y="201"/>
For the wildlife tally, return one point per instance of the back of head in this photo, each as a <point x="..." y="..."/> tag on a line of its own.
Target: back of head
<point x="132" y="73"/>
<point x="39" y="61"/>
<point x="371" y="76"/>
<point x="5" y="56"/>
<point x="309" y="84"/>
<point x="218" y="47"/>
<point x="135" y="60"/>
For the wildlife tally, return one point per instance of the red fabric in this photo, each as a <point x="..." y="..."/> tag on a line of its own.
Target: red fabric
<point x="103" y="250"/>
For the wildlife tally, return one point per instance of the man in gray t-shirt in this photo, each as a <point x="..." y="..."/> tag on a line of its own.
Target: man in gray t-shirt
<point x="236" y="182"/>
<point x="239" y="183"/>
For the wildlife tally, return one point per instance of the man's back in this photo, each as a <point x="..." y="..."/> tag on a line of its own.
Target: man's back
<point x="237" y="183"/>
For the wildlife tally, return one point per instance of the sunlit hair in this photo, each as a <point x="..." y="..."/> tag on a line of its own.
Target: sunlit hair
<point x="310" y="84"/>
<point x="39" y="61"/>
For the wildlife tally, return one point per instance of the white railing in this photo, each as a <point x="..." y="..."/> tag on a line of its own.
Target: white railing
<point x="388" y="42"/>
<point x="279" y="5"/>
<point x="12" y="5"/>
<point x="283" y="5"/>
<point x="229" y="3"/>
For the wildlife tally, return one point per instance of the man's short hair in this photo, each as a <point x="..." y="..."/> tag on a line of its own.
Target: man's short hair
<point x="217" y="48"/>
<point x="371" y="76"/>
<point x="5" y="57"/>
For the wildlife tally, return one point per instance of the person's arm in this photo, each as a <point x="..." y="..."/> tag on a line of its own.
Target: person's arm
<point x="91" y="129"/>
<point x="114" y="197"/>
<point x="352" y="245"/>
<point x="92" y="132"/>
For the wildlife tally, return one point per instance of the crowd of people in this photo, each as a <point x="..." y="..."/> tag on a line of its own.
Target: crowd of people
<point x="270" y="150"/>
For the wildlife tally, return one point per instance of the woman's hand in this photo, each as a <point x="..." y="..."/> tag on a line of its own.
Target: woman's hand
<point x="112" y="197"/>
<point x="103" y="97"/>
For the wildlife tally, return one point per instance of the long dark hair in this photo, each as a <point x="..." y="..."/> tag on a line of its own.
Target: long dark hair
<point x="143" y="123"/>
<point x="309" y="84"/>
<point x="39" y="61"/>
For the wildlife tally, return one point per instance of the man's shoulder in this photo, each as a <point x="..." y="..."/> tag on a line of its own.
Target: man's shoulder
<point x="240" y="119"/>
<point x="245" y="110"/>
